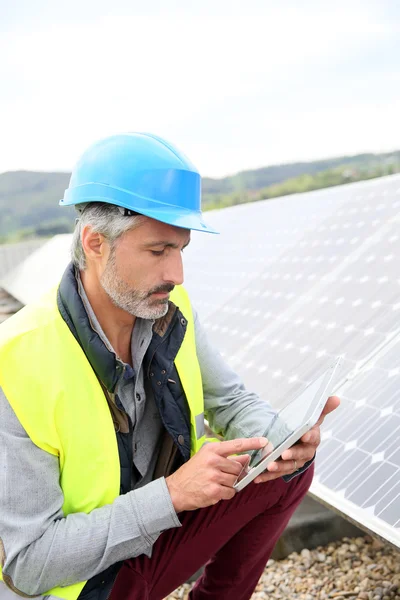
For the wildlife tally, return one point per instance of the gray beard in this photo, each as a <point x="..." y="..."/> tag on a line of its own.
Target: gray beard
<point x="136" y="303"/>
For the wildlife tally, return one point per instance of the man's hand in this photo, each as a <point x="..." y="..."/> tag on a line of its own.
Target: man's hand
<point x="209" y="475"/>
<point x="296" y="457"/>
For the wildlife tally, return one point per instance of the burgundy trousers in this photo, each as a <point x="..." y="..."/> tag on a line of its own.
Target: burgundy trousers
<point x="233" y="538"/>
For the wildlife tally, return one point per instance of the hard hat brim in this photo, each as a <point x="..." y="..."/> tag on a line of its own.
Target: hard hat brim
<point x="166" y="213"/>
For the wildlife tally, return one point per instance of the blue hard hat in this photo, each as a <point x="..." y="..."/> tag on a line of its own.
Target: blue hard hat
<point x="142" y="173"/>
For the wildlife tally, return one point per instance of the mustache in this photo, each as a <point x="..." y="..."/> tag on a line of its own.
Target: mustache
<point x="160" y="289"/>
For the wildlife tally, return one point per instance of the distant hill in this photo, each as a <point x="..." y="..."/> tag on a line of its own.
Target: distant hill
<point x="257" y="179"/>
<point x="29" y="200"/>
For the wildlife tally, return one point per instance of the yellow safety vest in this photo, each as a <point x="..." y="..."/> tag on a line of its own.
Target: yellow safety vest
<point x="57" y="398"/>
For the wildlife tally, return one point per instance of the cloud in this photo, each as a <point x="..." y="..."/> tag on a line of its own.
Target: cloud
<point x="224" y="88"/>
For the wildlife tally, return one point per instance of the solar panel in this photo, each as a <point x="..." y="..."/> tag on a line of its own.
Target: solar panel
<point x="236" y="259"/>
<point x="11" y="255"/>
<point x="282" y="315"/>
<point x="39" y="271"/>
<point x="329" y="285"/>
<point x="365" y="440"/>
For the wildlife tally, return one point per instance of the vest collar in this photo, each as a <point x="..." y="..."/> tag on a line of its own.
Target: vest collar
<point x="104" y="361"/>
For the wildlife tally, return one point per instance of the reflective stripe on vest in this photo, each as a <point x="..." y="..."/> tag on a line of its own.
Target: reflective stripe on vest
<point x="58" y="400"/>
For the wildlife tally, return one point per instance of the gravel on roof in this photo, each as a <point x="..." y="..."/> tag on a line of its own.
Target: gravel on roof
<point x="360" y="568"/>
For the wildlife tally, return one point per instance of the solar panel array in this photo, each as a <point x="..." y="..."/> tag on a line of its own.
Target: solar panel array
<point x="289" y="284"/>
<point x="12" y="255"/>
<point x="294" y="282"/>
<point x="40" y="270"/>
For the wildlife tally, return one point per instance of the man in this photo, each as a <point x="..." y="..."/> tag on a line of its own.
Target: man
<point x="107" y="487"/>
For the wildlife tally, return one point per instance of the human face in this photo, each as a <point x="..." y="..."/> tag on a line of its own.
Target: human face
<point x="143" y="267"/>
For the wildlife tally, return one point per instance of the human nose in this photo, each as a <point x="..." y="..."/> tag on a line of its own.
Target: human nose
<point x="174" y="271"/>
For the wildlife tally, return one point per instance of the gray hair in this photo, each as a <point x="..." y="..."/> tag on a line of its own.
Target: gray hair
<point x="106" y="219"/>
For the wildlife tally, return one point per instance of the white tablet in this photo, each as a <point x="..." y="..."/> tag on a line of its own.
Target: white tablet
<point x="291" y="423"/>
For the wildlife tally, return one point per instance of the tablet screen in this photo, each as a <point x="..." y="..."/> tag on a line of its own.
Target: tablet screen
<point x="290" y="419"/>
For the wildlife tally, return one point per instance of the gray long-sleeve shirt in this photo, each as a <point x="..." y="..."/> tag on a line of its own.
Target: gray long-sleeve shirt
<point x="43" y="548"/>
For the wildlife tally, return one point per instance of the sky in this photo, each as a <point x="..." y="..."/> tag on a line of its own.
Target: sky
<point x="235" y="84"/>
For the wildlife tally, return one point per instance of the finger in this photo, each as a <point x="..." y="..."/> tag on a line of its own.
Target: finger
<point x="231" y="466"/>
<point x="331" y="404"/>
<point x="227" y="493"/>
<point x="243" y="459"/>
<point x="227" y="480"/>
<point x="300" y="452"/>
<point x="236" y="446"/>
<point x="266" y="476"/>
<point x="285" y="467"/>
<point x="313" y="436"/>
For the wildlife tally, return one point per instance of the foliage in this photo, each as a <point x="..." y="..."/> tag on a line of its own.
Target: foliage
<point x="261" y="178"/>
<point x="29" y="204"/>
<point x="307" y="182"/>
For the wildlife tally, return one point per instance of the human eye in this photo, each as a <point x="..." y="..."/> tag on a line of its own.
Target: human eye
<point x="157" y="252"/>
